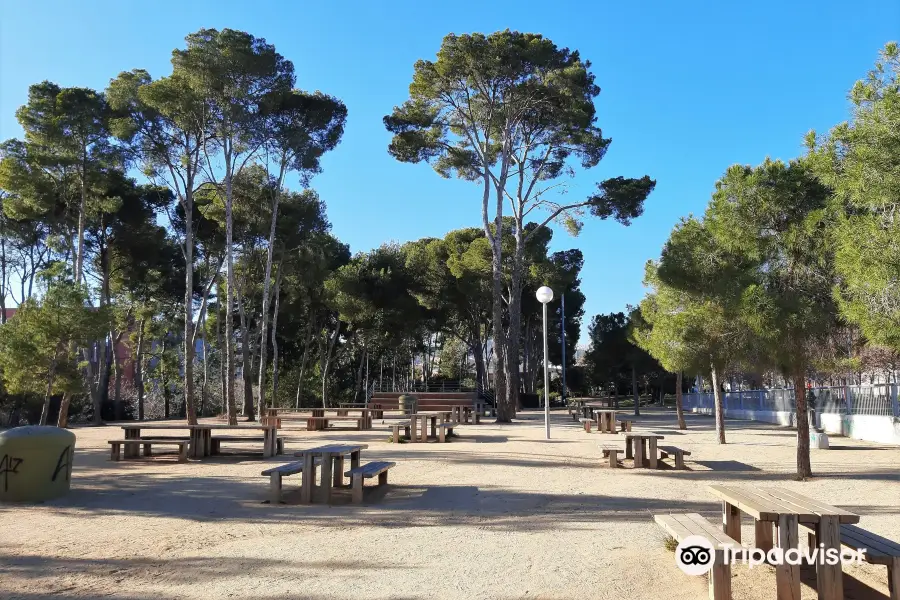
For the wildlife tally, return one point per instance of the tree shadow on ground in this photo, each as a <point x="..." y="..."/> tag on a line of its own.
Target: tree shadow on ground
<point x="854" y="589"/>
<point x="726" y="465"/>
<point x="136" y="573"/>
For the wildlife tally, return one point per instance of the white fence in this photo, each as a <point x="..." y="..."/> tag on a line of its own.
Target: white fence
<point x="863" y="412"/>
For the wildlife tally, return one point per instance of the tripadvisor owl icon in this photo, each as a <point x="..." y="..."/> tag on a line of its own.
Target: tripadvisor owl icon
<point x="694" y="555"/>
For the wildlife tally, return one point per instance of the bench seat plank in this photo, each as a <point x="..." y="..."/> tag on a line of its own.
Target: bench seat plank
<point x="681" y="526"/>
<point x="371" y="469"/>
<point x="764" y="509"/>
<point x="816" y="507"/>
<point x="367" y="471"/>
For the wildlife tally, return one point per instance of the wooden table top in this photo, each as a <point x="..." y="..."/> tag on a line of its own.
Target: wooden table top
<point x="332" y="449"/>
<point x="767" y="504"/>
<point x="609" y="410"/>
<point x="644" y="435"/>
<point x="139" y="425"/>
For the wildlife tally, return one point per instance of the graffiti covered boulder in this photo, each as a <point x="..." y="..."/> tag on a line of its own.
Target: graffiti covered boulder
<point x="35" y="463"/>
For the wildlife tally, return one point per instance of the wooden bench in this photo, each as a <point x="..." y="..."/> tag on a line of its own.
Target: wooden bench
<point x="275" y="421"/>
<point x="587" y="424"/>
<point x="215" y="442"/>
<point x="879" y="551"/>
<point x="612" y="451"/>
<point x="624" y="424"/>
<point x="395" y="431"/>
<point x="685" y="525"/>
<point x="445" y="429"/>
<point x="665" y="451"/>
<point x="275" y="475"/>
<point x="147" y="443"/>
<point x="367" y="471"/>
<point x="320" y="423"/>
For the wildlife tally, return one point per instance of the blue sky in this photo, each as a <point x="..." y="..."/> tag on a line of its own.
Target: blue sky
<point x="688" y="89"/>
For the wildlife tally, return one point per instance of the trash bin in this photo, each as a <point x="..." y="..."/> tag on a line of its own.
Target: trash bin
<point x="409" y="405"/>
<point x="35" y="463"/>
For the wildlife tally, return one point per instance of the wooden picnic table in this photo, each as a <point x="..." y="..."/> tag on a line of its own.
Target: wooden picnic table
<point x="332" y="456"/>
<point x="606" y="420"/>
<point x="200" y="436"/>
<point x="786" y="509"/>
<point x="641" y="445"/>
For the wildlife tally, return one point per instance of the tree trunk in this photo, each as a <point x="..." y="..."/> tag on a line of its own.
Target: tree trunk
<point x="189" y="314"/>
<point x="634" y="391"/>
<point x="720" y="406"/>
<point x="45" y="409"/>
<point x="275" y="335"/>
<point x="514" y="335"/>
<point x="679" y="406"/>
<point x="229" y="297"/>
<point x="220" y="345"/>
<point x="205" y="385"/>
<point x="478" y="355"/>
<point x="326" y="361"/>
<point x="359" y="373"/>
<point x="119" y="409"/>
<point x="303" y="359"/>
<point x="804" y="468"/>
<point x="263" y="346"/>
<point x="162" y="377"/>
<point x="246" y="362"/>
<point x="139" y="369"/>
<point x="82" y="218"/>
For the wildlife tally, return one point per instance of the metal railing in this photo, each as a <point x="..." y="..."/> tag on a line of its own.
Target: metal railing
<point x="444" y="385"/>
<point x="878" y="399"/>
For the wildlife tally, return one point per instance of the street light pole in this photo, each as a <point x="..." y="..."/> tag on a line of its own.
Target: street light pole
<point x="544" y="296"/>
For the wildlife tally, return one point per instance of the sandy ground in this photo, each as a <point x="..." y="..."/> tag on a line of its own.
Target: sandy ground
<point x="498" y="513"/>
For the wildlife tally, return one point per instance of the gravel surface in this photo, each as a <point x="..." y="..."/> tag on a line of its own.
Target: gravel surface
<point x="498" y="513"/>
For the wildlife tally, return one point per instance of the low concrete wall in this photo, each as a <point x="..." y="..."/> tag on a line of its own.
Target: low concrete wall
<point x="766" y="416"/>
<point x="871" y="428"/>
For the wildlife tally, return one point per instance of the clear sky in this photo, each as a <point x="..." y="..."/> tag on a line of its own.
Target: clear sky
<point x="688" y="89"/>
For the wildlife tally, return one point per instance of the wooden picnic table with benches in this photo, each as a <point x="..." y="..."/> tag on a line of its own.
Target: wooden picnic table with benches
<point x="786" y="510"/>
<point x="641" y="446"/>
<point x="606" y="420"/>
<point x="200" y="436"/>
<point x="416" y="425"/>
<point x="332" y="458"/>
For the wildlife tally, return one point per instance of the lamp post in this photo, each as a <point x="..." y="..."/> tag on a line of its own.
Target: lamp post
<point x="545" y="295"/>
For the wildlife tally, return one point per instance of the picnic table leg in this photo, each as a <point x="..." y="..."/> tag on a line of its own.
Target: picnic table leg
<point x="762" y="537"/>
<point x="196" y="442"/>
<point x="894" y="579"/>
<point x="267" y="443"/>
<point x="338" y="473"/>
<point x="327" y="469"/>
<point x="720" y="578"/>
<point x="731" y="521"/>
<point x="787" y="577"/>
<point x="651" y="455"/>
<point x="424" y="430"/>
<point x="433" y="426"/>
<point x="309" y="475"/>
<point x="829" y="578"/>
<point x="628" y="447"/>
<point x="354" y="459"/>
<point x="638" y="453"/>
<point x="413" y="429"/>
<point x="131" y="434"/>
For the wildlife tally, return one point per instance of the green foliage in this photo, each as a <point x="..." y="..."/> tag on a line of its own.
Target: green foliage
<point x="35" y="352"/>
<point x="860" y="161"/>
